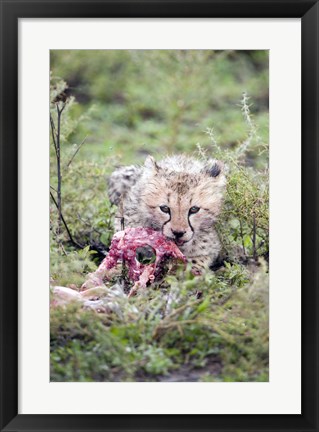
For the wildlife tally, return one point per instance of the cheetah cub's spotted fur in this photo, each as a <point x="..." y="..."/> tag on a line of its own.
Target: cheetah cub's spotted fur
<point x="179" y="196"/>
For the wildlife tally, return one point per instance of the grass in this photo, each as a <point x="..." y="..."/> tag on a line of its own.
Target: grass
<point x="220" y="337"/>
<point x="184" y="328"/>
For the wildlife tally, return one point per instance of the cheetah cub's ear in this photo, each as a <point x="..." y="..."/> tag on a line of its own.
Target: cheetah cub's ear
<point x="215" y="168"/>
<point x="151" y="164"/>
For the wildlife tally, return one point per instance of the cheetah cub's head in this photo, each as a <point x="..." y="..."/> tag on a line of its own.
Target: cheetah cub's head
<point x="182" y="196"/>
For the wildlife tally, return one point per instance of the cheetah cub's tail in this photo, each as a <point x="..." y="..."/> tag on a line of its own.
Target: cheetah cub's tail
<point x="121" y="181"/>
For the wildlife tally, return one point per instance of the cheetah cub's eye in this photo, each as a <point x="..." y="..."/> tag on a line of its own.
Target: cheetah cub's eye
<point x="164" y="209"/>
<point x="194" y="210"/>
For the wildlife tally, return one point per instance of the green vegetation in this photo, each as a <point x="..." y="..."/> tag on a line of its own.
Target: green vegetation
<point x="120" y="106"/>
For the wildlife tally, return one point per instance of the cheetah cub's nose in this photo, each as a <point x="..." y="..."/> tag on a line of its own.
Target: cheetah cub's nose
<point x="178" y="234"/>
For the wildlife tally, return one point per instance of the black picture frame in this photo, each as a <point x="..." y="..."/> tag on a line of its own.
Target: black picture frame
<point x="11" y="11"/>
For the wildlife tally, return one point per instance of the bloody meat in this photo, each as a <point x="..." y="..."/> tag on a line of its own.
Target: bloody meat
<point x="144" y="253"/>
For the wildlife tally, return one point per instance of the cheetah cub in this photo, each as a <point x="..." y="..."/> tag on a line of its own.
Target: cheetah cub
<point x="179" y="196"/>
